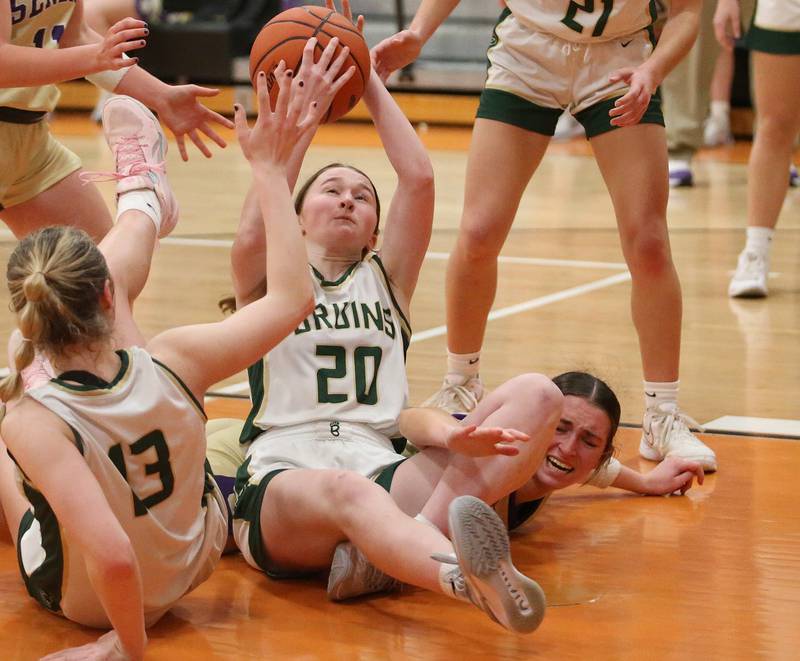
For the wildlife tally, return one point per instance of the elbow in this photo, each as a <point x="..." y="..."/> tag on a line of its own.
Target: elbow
<point x="115" y="563"/>
<point x="300" y="306"/>
<point x="420" y="179"/>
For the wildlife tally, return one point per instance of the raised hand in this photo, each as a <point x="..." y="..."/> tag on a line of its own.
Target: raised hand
<point x="122" y="37"/>
<point x="475" y="441"/>
<point x="320" y="80"/>
<point x="396" y="52"/>
<point x="347" y="12"/>
<point x="184" y="115"/>
<point x="628" y="109"/>
<point x="275" y="133"/>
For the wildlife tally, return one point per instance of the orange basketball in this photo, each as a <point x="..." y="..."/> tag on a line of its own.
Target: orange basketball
<point x="284" y="37"/>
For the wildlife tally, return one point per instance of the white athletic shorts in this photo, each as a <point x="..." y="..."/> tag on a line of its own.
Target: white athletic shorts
<point x="775" y="27"/>
<point x="533" y="76"/>
<point x="315" y="445"/>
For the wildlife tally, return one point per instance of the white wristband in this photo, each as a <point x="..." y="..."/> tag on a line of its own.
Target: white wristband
<point x="605" y="475"/>
<point x="108" y="80"/>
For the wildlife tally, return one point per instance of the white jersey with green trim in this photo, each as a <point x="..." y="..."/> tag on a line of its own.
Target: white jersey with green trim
<point x="143" y="437"/>
<point x="345" y="362"/>
<point x="590" y="20"/>
<point x="36" y="24"/>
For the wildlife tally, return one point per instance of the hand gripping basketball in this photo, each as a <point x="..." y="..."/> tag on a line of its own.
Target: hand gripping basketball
<point x="276" y="132"/>
<point x="285" y="38"/>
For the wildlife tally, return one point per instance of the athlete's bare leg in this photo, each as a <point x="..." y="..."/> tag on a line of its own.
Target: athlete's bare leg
<point x="777" y="92"/>
<point x="68" y="202"/>
<point x="306" y="513"/>
<point x="431" y="479"/>
<point x="502" y="159"/>
<point x="633" y="162"/>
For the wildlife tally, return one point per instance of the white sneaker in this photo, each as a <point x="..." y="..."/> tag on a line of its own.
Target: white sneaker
<point x="352" y="575"/>
<point x="750" y="279"/>
<point x="484" y="572"/>
<point x="457" y="398"/>
<point x="717" y="132"/>
<point x="665" y="432"/>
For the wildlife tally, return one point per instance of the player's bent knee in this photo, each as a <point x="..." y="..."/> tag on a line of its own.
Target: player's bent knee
<point x="347" y="491"/>
<point x="535" y="388"/>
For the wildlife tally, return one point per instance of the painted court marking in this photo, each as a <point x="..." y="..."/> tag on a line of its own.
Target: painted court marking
<point x="749" y="425"/>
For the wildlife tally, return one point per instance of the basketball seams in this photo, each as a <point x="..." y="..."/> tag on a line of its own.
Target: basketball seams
<point x="319" y="28"/>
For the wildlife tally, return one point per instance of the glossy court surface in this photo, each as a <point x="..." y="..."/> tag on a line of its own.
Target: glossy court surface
<point x="715" y="574"/>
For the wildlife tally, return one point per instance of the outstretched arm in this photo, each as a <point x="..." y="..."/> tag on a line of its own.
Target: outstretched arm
<point x="672" y="475"/>
<point x="322" y="80"/>
<point x="426" y="427"/>
<point x="205" y="354"/>
<point x="410" y="218"/>
<point x="47" y="454"/>
<point x="33" y="64"/>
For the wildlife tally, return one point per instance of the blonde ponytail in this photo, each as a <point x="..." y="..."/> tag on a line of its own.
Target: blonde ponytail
<point x="56" y="277"/>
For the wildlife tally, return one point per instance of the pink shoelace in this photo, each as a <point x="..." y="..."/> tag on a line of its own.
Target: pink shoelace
<point x="131" y="162"/>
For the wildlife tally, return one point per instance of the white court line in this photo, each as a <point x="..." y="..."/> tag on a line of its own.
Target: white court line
<point x="503" y="259"/>
<point x="540" y="261"/>
<point x="532" y="304"/>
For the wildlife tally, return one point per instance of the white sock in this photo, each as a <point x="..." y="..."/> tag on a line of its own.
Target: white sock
<point x="721" y="110"/>
<point x="143" y="200"/>
<point x="657" y="393"/>
<point x="759" y="240"/>
<point x="461" y="367"/>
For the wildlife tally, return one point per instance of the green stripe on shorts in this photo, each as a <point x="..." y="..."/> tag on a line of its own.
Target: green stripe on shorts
<point x="772" y="41"/>
<point x="596" y="121"/>
<point x="511" y="109"/>
<point x="249" y="500"/>
<point x="385" y="477"/>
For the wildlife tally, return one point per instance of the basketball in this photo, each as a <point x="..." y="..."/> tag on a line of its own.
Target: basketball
<point x="284" y="37"/>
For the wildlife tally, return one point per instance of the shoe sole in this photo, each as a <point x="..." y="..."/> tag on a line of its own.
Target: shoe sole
<point x="651" y="454"/>
<point x="483" y="552"/>
<point x="748" y="292"/>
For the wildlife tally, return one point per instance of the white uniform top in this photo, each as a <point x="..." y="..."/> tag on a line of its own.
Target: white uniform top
<point x="344" y="363"/>
<point x="40" y="24"/>
<point x="590" y="20"/>
<point x="143" y="437"/>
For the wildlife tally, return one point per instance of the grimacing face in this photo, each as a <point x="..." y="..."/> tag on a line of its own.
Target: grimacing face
<point x="339" y="211"/>
<point x="577" y="446"/>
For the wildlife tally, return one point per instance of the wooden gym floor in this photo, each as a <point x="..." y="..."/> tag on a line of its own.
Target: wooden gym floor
<point x="715" y="574"/>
